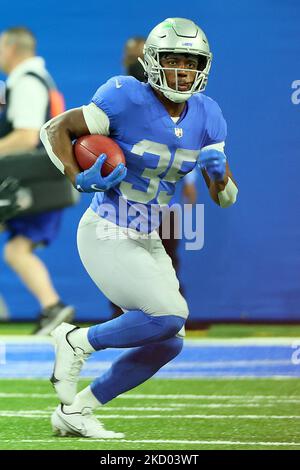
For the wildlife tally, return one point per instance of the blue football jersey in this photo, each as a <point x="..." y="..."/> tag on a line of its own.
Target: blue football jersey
<point x="158" y="151"/>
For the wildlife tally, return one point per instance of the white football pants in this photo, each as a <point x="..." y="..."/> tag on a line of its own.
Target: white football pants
<point x="132" y="269"/>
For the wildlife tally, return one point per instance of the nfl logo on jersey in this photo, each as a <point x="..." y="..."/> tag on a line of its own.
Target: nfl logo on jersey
<point x="178" y="132"/>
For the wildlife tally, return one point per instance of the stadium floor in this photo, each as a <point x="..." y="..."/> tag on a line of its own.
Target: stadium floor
<point x="220" y="393"/>
<point x="28" y="357"/>
<point x="164" y="415"/>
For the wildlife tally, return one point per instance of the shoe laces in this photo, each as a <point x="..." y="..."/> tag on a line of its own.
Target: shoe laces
<point x="79" y="359"/>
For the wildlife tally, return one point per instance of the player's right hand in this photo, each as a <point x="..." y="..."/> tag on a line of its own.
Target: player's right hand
<point x="91" y="180"/>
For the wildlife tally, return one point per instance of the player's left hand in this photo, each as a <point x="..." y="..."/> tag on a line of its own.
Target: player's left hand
<point x="214" y="162"/>
<point x="91" y="180"/>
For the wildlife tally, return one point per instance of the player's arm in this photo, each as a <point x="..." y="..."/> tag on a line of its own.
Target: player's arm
<point x="189" y="189"/>
<point x="57" y="136"/>
<point x="212" y="160"/>
<point x="218" y="177"/>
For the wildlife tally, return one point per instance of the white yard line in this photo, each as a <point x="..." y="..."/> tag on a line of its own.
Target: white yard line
<point x="137" y="396"/>
<point x="178" y="406"/>
<point x="103" y="365"/>
<point x="45" y="414"/>
<point x="264" y="341"/>
<point x="19" y="339"/>
<point x="229" y="363"/>
<point x="25" y="339"/>
<point x="172" y="375"/>
<point x="27" y="395"/>
<point x="152" y="441"/>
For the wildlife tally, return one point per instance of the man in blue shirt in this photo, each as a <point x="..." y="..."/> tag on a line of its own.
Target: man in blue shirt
<point x="165" y="127"/>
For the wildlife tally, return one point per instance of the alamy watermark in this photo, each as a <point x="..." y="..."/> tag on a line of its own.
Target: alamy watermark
<point x="296" y="354"/>
<point x="295" y="97"/>
<point x="140" y="221"/>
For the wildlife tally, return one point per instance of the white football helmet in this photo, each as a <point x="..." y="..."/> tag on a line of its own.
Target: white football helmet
<point x="178" y="36"/>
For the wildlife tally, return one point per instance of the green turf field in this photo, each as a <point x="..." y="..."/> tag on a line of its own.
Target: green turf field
<point x="214" y="331"/>
<point x="181" y="414"/>
<point x="164" y="415"/>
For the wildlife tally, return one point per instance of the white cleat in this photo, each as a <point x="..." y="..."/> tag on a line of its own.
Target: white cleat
<point x="81" y="424"/>
<point x="68" y="364"/>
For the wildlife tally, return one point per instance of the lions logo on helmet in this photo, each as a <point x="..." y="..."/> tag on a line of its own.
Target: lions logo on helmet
<point x="177" y="36"/>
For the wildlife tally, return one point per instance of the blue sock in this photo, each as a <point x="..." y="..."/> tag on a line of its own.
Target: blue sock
<point x="135" y="367"/>
<point x="134" y="328"/>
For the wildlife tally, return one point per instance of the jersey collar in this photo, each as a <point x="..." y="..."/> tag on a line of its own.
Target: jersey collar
<point x="160" y="112"/>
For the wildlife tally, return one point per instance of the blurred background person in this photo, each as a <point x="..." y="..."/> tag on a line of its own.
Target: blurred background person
<point x="8" y="208"/>
<point x="28" y="105"/>
<point x="134" y="48"/>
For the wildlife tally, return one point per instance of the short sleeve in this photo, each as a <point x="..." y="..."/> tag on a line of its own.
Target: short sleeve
<point x="95" y="119"/>
<point x="28" y="104"/>
<point x="216" y="127"/>
<point x="113" y="99"/>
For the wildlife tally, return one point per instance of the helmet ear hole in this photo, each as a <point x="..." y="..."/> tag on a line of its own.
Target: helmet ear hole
<point x="202" y="62"/>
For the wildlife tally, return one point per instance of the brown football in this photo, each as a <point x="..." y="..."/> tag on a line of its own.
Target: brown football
<point x="89" y="147"/>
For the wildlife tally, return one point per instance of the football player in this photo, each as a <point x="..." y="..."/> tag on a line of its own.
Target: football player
<point x="133" y="51"/>
<point x="165" y="128"/>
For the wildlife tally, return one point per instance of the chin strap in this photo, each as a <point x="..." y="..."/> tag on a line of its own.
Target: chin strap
<point x="176" y="97"/>
<point x="172" y="95"/>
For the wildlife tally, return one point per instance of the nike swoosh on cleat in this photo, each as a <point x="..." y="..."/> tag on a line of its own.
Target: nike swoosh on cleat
<point x="118" y="84"/>
<point x="80" y="431"/>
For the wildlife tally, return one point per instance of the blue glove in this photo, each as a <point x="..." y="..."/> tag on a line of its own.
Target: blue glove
<point x="214" y="162"/>
<point x="91" y="180"/>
